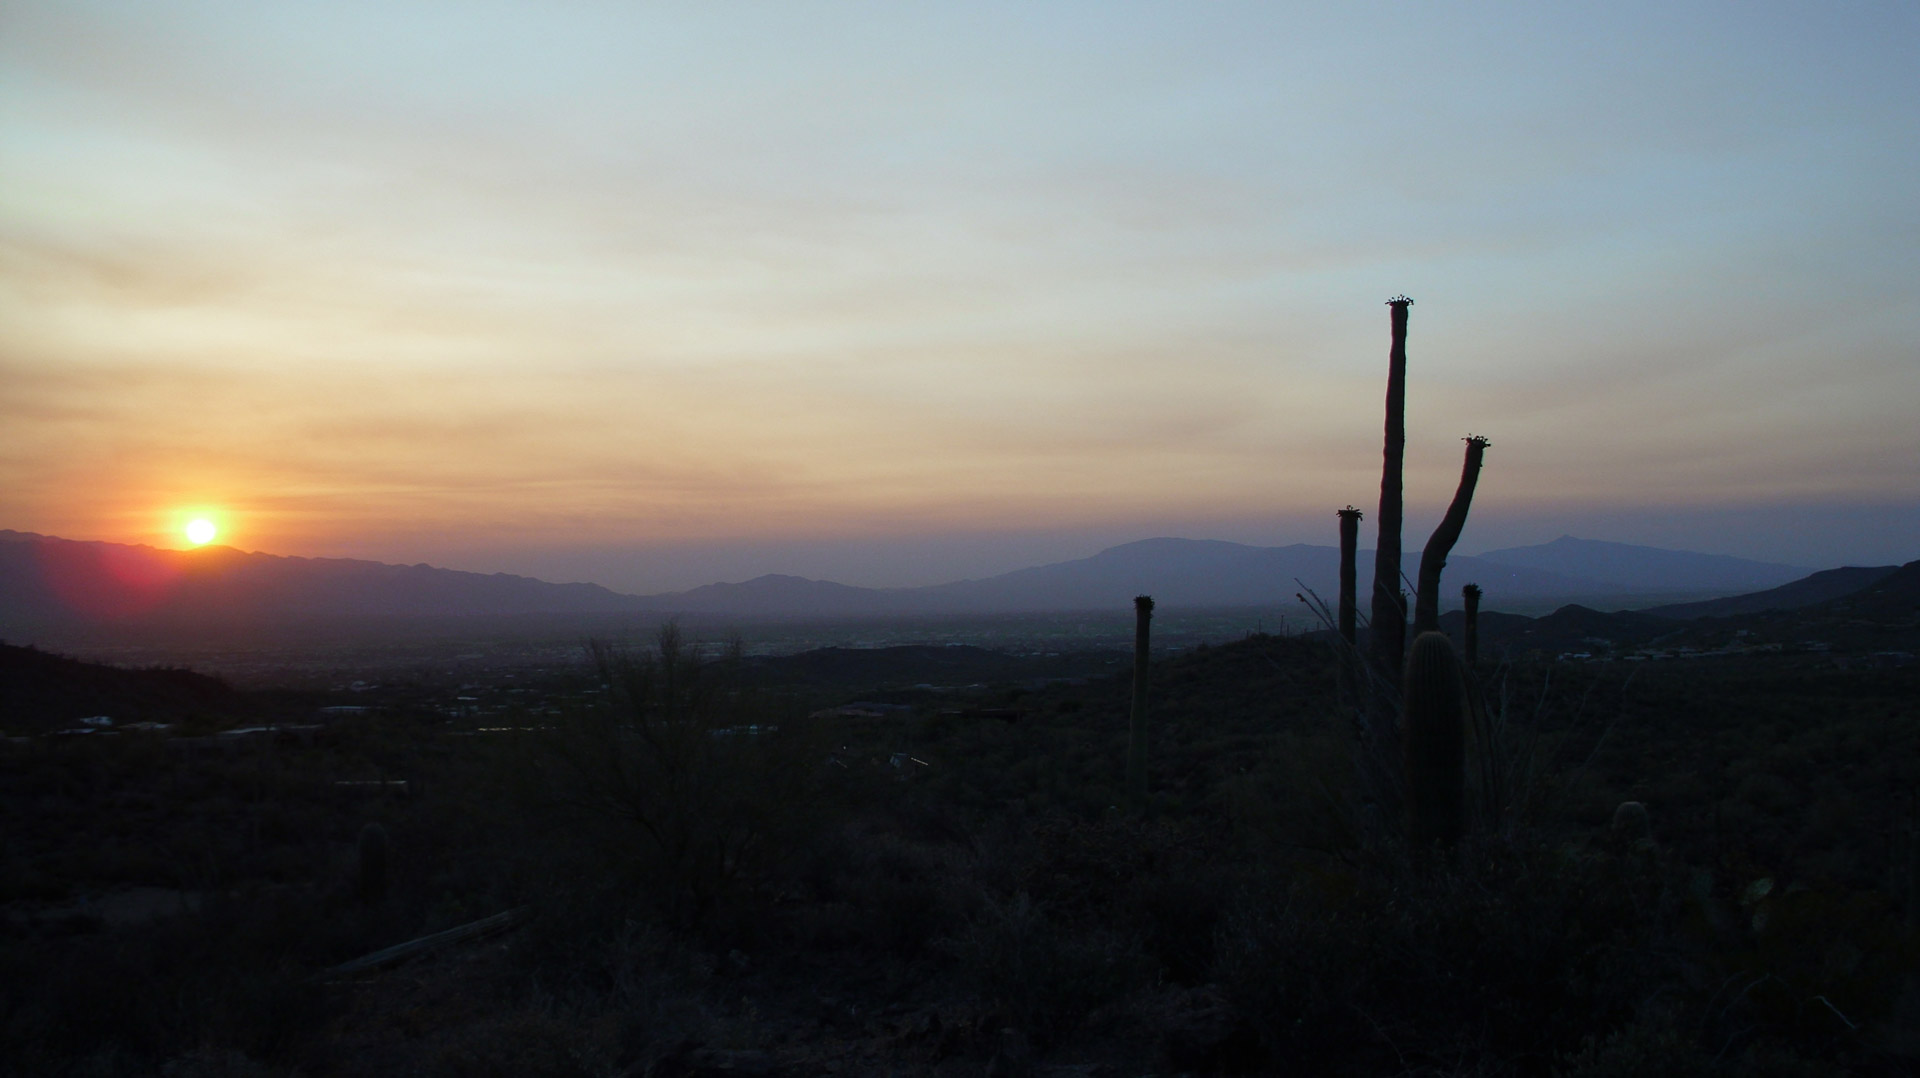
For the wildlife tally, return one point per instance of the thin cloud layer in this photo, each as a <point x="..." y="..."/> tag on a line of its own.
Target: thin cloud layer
<point x="599" y="278"/>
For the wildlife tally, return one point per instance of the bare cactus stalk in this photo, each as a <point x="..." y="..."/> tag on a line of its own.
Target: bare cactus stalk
<point x="1388" y="626"/>
<point x="1349" y="543"/>
<point x="1137" y="726"/>
<point x="1434" y="743"/>
<point x="1470" y="631"/>
<point x="1433" y="559"/>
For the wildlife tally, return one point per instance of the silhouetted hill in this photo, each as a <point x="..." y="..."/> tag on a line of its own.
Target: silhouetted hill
<point x="1630" y="568"/>
<point x="1571" y="628"/>
<point x="40" y="691"/>
<point x="776" y="594"/>
<point x="1818" y="588"/>
<point x="48" y="580"/>
<point x="45" y="581"/>
<point x="1893" y="599"/>
<point x="944" y="665"/>
<point x="1176" y="572"/>
<point x="1882" y="614"/>
<point x="1212" y="573"/>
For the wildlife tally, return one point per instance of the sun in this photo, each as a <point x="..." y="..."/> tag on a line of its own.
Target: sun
<point x="200" y="531"/>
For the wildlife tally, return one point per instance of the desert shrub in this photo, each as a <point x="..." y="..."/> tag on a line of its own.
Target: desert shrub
<point x="1511" y="953"/>
<point x="1654" y="1046"/>
<point x="709" y="786"/>
<point x="1046" y="976"/>
<point x="1642" y="1048"/>
<point x="230" y="974"/>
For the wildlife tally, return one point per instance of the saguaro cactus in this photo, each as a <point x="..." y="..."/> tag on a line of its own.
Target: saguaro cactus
<point x="1137" y="726"/>
<point x="1434" y="743"/>
<point x="1470" y="631"/>
<point x="1349" y="542"/>
<point x="1388" y="627"/>
<point x="1426" y="603"/>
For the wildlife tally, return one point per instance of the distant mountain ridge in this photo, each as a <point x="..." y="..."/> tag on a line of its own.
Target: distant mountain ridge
<point x="47" y="578"/>
<point x="1807" y="591"/>
<point x="43" y="578"/>
<point x="1863" y="609"/>
<point x="1647" y="569"/>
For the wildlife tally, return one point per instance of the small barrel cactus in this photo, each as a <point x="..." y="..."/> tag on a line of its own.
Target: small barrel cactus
<point x="1630" y="821"/>
<point x="1434" y="742"/>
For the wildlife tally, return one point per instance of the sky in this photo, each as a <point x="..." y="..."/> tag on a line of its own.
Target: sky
<point x="659" y="294"/>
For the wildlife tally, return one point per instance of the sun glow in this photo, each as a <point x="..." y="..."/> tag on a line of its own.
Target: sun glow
<point x="200" y="531"/>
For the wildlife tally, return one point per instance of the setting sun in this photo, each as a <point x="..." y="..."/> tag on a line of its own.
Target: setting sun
<point x="201" y="531"/>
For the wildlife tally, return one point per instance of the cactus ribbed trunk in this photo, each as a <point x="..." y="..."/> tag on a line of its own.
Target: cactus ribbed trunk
<point x="1349" y="581"/>
<point x="1433" y="559"/>
<point x="1434" y="743"/>
<point x="1470" y="630"/>
<point x="1137" y="726"/>
<point x="1388" y="626"/>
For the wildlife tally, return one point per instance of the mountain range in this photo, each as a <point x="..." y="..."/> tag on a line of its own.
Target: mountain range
<point x="44" y="579"/>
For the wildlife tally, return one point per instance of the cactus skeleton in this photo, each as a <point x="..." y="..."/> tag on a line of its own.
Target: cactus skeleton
<point x="1349" y="540"/>
<point x="1388" y="626"/>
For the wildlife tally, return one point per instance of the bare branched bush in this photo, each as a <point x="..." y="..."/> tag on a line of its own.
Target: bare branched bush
<point x="710" y="784"/>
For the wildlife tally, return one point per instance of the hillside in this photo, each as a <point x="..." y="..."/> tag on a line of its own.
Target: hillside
<point x="40" y="692"/>
<point x="1881" y="612"/>
<point x="1642" y="568"/>
<point x="44" y="579"/>
<point x="1893" y="599"/>
<point x="1808" y="591"/>
<point x="50" y="581"/>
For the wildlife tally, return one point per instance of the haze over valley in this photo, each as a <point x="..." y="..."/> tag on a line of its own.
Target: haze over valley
<point x="1067" y="540"/>
<point x="54" y="581"/>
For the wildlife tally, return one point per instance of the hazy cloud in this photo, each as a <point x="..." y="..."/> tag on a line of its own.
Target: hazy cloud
<point x="592" y="276"/>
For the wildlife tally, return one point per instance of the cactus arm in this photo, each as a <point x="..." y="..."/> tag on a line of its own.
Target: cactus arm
<point x="1426" y="604"/>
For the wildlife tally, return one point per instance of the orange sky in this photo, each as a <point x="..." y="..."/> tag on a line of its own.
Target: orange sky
<point x="586" y="291"/>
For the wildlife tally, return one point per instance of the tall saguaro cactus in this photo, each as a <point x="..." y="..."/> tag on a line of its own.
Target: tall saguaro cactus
<point x="1426" y="603"/>
<point x="1137" y="726"/>
<point x="1434" y="743"/>
<point x="1388" y="626"/>
<point x="1349" y="543"/>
